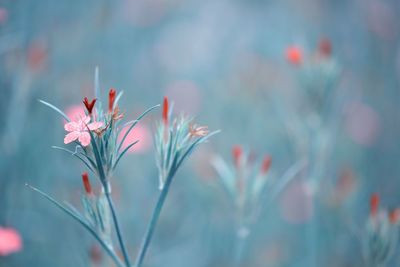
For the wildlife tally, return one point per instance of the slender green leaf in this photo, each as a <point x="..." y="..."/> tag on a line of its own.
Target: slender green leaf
<point x="82" y="221"/>
<point x="55" y="109"/>
<point x="134" y="124"/>
<point x="192" y="146"/>
<point x="123" y="152"/>
<point x="79" y="157"/>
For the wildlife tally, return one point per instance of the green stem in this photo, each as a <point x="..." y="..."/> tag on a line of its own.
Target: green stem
<point x="117" y="228"/>
<point x="153" y="222"/>
<point x="239" y="249"/>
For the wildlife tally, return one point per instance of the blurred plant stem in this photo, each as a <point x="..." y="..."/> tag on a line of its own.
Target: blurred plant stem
<point x="240" y="244"/>
<point x="116" y="224"/>
<point x="153" y="221"/>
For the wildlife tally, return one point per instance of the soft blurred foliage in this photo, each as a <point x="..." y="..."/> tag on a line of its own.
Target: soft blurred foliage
<point x="224" y="62"/>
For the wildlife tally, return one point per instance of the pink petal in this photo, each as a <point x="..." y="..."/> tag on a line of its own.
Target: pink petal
<point x="95" y="125"/>
<point x="71" y="126"/>
<point x="10" y="241"/>
<point x="84" y="138"/>
<point x="85" y="120"/>
<point x="71" y="137"/>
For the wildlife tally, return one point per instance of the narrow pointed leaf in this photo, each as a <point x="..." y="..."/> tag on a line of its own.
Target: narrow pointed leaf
<point x="55" y="109"/>
<point x="82" y="221"/>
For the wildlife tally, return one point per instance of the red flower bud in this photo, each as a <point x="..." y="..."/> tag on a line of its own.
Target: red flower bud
<point x="237" y="152"/>
<point x="111" y="99"/>
<point x="266" y="164"/>
<point x="89" y="105"/>
<point x="374" y="204"/>
<point x="86" y="183"/>
<point x="165" y="111"/>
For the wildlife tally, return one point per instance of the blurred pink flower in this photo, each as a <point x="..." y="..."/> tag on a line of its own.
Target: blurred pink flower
<point x="139" y="132"/>
<point x="3" y="15"/>
<point x="79" y="130"/>
<point x="37" y="55"/>
<point x="362" y="123"/>
<point x="296" y="202"/>
<point x="75" y="112"/>
<point x="10" y="241"/>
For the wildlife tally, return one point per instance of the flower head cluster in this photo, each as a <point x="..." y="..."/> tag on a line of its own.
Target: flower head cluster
<point x="175" y="139"/>
<point x="99" y="135"/>
<point x="381" y="234"/>
<point x="246" y="177"/>
<point x="318" y="72"/>
<point x="97" y="211"/>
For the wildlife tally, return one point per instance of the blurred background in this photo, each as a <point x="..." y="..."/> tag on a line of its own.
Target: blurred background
<point x="314" y="80"/>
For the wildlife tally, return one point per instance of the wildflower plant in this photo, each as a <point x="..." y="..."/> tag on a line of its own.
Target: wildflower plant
<point x="175" y="139"/>
<point x="318" y="73"/>
<point x="244" y="181"/>
<point x="99" y="146"/>
<point x="314" y="123"/>
<point x="381" y="235"/>
<point x="251" y="185"/>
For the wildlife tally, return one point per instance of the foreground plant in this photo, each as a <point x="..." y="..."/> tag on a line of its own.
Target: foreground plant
<point x="97" y="145"/>
<point x="381" y="235"/>
<point x="175" y="140"/>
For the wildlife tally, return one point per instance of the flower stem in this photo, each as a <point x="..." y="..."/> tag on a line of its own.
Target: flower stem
<point x="239" y="250"/>
<point x="117" y="228"/>
<point x="153" y="222"/>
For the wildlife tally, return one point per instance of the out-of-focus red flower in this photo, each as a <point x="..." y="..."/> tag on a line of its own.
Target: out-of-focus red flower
<point x="345" y="186"/>
<point x="10" y="241"/>
<point x="37" y="55"/>
<point x="294" y="55"/>
<point x="96" y="254"/>
<point x="165" y="111"/>
<point x="394" y="216"/>
<point x="237" y="152"/>
<point x="325" y="47"/>
<point x="374" y="204"/>
<point x="266" y="164"/>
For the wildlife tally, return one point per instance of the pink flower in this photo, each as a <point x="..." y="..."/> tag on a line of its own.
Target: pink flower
<point x="79" y="130"/>
<point x="10" y="241"/>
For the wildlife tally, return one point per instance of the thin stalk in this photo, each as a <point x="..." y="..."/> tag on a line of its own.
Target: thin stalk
<point x="239" y="249"/>
<point x="153" y="222"/>
<point x="117" y="229"/>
